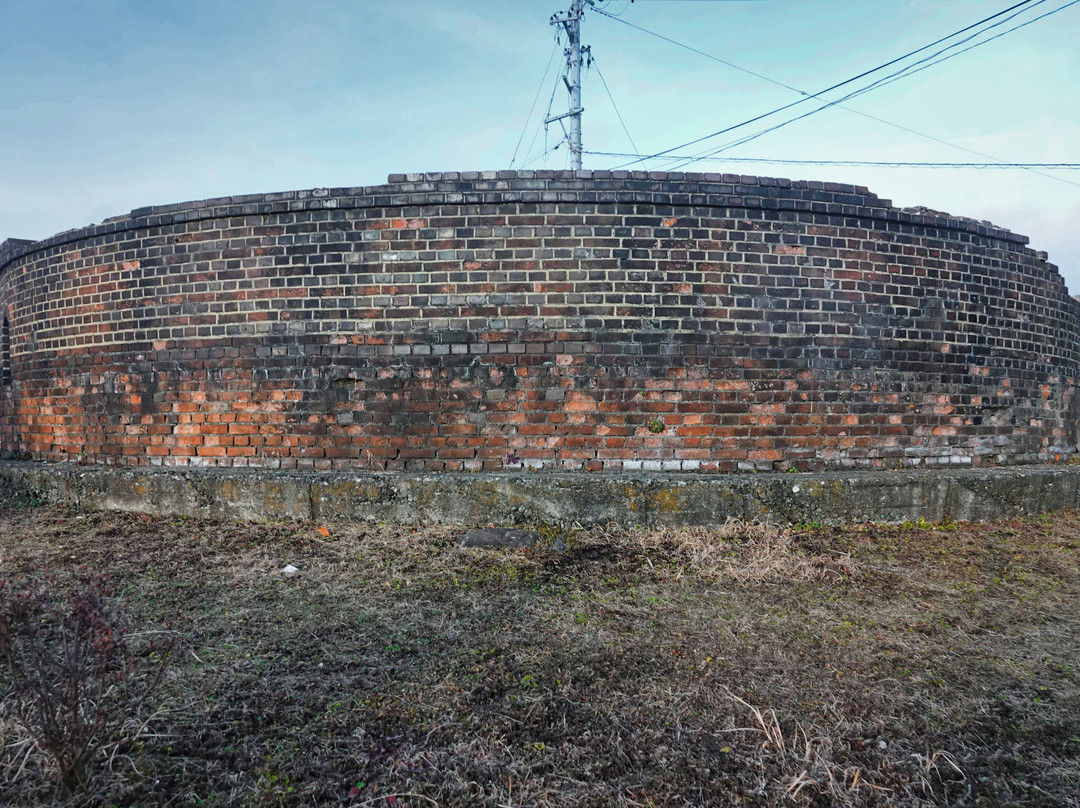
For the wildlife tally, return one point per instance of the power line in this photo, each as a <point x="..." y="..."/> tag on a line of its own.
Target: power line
<point x="542" y="154"/>
<point x="873" y="163"/>
<point x="541" y="127"/>
<point x="844" y="83"/>
<point x="907" y="70"/>
<point x="881" y="82"/>
<point x="763" y="77"/>
<point x="983" y="42"/>
<point x="615" y="106"/>
<point x="692" y="49"/>
<point x="536" y="97"/>
<point x="622" y="11"/>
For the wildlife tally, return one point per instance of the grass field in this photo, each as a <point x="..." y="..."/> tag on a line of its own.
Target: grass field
<point x="870" y="665"/>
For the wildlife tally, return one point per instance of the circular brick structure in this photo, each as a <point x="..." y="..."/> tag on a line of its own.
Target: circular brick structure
<point x="557" y="320"/>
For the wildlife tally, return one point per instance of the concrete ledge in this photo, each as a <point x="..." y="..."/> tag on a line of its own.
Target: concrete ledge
<point x="646" y="500"/>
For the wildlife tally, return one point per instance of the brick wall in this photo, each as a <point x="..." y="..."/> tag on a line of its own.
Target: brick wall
<point x="599" y="320"/>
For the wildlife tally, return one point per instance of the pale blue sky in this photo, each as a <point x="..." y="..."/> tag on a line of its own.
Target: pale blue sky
<point x="107" y="105"/>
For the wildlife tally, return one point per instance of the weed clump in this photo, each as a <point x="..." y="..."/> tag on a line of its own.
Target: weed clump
<point x="70" y="672"/>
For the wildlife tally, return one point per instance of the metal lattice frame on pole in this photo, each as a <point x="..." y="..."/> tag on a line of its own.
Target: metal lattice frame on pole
<point x="575" y="54"/>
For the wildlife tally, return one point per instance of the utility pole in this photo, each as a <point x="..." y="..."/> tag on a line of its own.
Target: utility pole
<point x="575" y="53"/>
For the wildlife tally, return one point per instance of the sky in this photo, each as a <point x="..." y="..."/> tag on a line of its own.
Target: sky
<point x="110" y="105"/>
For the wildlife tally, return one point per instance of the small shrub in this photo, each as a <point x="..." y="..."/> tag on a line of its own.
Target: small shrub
<point x="655" y="425"/>
<point x="68" y="671"/>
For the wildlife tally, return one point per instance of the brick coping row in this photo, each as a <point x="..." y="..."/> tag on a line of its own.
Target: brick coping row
<point x="674" y="189"/>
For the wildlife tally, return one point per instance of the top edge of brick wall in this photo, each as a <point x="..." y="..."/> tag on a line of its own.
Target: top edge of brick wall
<point x="672" y="189"/>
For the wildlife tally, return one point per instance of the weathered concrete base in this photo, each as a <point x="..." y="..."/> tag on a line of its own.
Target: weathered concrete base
<point x="647" y="500"/>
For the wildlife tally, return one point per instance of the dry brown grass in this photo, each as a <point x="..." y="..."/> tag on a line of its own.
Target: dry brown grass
<point x="868" y="666"/>
<point x="742" y="552"/>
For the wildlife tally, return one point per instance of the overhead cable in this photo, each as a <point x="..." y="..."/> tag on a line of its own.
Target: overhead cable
<point x="983" y="42"/>
<point x="692" y="49"/>
<point x="836" y="86"/>
<point x="536" y="97"/>
<point x="874" y="85"/>
<point x="873" y="163"/>
<point x="542" y="126"/>
<point x="615" y="106"/>
<point x="763" y="77"/>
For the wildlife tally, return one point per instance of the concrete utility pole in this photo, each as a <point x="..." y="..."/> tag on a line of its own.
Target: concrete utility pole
<point x="571" y="21"/>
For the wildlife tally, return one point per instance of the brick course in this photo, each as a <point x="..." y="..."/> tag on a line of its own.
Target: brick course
<point x="557" y="320"/>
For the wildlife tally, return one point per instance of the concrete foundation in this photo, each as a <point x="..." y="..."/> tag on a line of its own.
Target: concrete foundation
<point x="645" y="500"/>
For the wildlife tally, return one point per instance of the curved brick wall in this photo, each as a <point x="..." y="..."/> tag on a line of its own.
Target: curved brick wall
<point x="602" y="320"/>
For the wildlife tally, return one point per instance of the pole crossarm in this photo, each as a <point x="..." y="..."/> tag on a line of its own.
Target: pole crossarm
<point x="554" y="118"/>
<point x="570" y="21"/>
